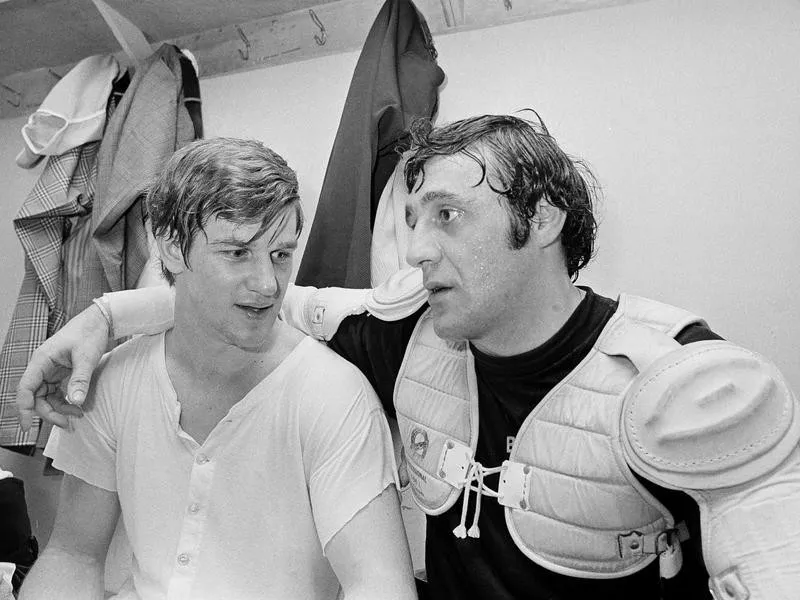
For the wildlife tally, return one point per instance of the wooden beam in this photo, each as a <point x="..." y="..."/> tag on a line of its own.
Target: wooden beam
<point x="325" y="29"/>
<point x="328" y="28"/>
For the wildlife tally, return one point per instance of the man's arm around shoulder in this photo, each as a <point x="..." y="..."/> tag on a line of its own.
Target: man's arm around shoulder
<point x="71" y="566"/>
<point x="75" y="349"/>
<point x="370" y="554"/>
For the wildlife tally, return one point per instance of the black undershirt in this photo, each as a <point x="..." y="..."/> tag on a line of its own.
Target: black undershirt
<point x="491" y="566"/>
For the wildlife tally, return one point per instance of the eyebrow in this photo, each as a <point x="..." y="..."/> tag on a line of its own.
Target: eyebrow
<point x="232" y="241"/>
<point x="435" y="195"/>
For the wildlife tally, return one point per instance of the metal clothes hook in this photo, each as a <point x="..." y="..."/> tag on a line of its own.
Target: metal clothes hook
<point x="320" y="39"/>
<point x="16" y="93"/>
<point x="246" y="54"/>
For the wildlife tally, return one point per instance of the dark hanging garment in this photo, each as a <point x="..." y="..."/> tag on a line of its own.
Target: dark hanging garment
<point x="396" y="80"/>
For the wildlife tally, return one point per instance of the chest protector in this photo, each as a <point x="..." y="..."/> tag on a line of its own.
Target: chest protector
<point x="572" y="504"/>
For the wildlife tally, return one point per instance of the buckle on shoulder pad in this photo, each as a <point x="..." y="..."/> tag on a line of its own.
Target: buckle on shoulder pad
<point x="454" y="463"/>
<point x="514" y="488"/>
<point x="630" y="544"/>
<point x="636" y="543"/>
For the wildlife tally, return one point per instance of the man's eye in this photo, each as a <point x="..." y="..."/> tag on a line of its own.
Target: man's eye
<point x="281" y="256"/>
<point x="237" y="253"/>
<point x="447" y="215"/>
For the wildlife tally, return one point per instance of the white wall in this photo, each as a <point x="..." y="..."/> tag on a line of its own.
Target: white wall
<point x="688" y="111"/>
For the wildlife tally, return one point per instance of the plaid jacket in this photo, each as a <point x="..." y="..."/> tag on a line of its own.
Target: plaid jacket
<point x="62" y="195"/>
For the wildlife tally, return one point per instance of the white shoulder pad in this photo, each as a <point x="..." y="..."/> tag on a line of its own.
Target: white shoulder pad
<point x="318" y="312"/>
<point x="708" y="415"/>
<point x="146" y="310"/>
<point x="400" y="296"/>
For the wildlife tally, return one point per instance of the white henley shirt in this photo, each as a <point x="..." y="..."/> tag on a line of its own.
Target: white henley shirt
<point x="248" y="513"/>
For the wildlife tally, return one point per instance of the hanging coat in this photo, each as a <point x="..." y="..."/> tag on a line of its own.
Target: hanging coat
<point x="151" y="121"/>
<point x="396" y="80"/>
<point x="64" y="191"/>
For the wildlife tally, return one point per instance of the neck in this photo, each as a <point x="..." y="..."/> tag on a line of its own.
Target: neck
<point x="533" y="318"/>
<point x="205" y="357"/>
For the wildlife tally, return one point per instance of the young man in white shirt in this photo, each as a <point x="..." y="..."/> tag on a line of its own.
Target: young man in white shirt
<point x="247" y="460"/>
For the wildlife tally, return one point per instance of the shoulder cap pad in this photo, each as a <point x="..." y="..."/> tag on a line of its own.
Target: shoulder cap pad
<point x="400" y="296"/>
<point x="708" y="415"/>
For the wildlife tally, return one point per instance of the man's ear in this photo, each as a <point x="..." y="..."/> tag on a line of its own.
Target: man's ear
<point x="171" y="255"/>
<point x="547" y="223"/>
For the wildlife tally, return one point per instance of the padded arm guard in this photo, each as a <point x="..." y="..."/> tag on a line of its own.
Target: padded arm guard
<point x="719" y="422"/>
<point x="145" y="310"/>
<point x="319" y="312"/>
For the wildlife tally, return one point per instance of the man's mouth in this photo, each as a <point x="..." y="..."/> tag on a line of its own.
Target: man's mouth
<point x="436" y="289"/>
<point x="254" y="310"/>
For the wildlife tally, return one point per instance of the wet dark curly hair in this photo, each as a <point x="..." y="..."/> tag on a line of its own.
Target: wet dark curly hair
<point x="522" y="162"/>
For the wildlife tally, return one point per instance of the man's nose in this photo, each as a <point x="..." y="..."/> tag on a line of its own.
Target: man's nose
<point x="262" y="277"/>
<point x="422" y="247"/>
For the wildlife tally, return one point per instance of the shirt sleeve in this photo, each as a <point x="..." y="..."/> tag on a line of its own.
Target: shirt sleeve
<point x="349" y="460"/>
<point x="88" y="450"/>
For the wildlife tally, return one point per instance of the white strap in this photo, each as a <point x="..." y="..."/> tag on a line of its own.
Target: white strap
<point x="475" y="472"/>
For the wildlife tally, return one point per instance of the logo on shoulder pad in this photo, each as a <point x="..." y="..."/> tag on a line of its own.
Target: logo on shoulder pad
<point x="419" y="442"/>
<point x="319" y="314"/>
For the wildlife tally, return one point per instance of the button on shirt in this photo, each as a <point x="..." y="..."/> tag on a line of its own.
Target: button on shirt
<point x="248" y="513"/>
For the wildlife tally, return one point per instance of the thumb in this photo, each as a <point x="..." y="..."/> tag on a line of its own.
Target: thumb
<point x="78" y="385"/>
<point x="76" y="389"/>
